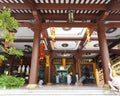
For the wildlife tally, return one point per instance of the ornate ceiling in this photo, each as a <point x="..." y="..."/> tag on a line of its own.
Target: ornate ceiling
<point x="54" y="13"/>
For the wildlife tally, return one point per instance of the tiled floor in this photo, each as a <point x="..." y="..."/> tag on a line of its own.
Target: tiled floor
<point x="58" y="90"/>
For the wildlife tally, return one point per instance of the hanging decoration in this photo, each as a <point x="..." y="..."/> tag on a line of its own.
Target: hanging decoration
<point x="70" y="16"/>
<point x="53" y="33"/>
<point x="64" y="62"/>
<point x="52" y="37"/>
<point x="88" y="37"/>
<point x="47" y="60"/>
<point x="42" y="51"/>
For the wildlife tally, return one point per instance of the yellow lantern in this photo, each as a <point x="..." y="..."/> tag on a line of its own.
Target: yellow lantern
<point x="64" y="62"/>
<point x="47" y="60"/>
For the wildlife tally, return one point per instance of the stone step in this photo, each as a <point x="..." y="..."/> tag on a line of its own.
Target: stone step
<point x="57" y="91"/>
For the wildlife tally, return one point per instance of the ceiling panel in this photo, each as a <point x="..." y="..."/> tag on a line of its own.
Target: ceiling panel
<point x="67" y="32"/>
<point x="66" y="45"/>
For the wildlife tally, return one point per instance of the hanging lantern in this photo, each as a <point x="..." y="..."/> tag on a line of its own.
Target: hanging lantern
<point x="47" y="60"/>
<point x="53" y="33"/>
<point x="88" y="37"/>
<point x="64" y="62"/>
<point x="42" y="47"/>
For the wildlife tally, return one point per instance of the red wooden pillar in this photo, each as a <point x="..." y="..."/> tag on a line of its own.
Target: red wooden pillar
<point x="103" y="50"/>
<point x="33" y="78"/>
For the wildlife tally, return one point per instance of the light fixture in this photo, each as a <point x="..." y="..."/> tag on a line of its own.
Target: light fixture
<point x="70" y="15"/>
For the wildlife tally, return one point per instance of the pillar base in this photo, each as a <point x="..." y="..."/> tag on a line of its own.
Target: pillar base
<point x="32" y="86"/>
<point x="106" y="86"/>
<point x="49" y="83"/>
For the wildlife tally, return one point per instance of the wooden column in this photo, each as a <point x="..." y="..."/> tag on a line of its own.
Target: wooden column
<point x="74" y="70"/>
<point x="34" y="60"/>
<point x="103" y="50"/>
<point x="78" y="66"/>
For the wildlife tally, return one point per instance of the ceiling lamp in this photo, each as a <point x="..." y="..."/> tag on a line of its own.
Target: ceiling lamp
<point x="88" y="37"/>
<point x="70" y="16"/>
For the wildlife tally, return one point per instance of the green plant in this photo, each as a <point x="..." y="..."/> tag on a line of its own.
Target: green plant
<point x="2" y="57"/>
<point x="7" y="22"/>
<point x="9" y="82"/>
<point x="14" y="51"/>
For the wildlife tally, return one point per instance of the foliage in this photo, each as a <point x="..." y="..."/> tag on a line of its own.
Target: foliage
<point x="14" y="51"/>
<point x="11" y="81"/>
<point x="8" y="36"/>
<point x="2" y="57"/>
<point x="7" y="22"/>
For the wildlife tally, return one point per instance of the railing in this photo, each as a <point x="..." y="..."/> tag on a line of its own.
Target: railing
<point x="99" y="76"/>
<point x="115" y="64"/>
<point x="116" y="68"/>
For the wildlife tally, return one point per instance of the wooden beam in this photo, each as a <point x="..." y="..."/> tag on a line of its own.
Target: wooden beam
<point x="113" y="24"/>
<point x="30" y="4"/>
<point x="65" y="17"/>
<point x="26" y="24"/>
<point x="14" y="6"/>
<point x="114" y="43"/>
<point x="45" y="6"/>
<point x="115" y="51"/>
<point x="70" y="6"/>
<point x="60" y="39"/>
<point x="66" y="24"/>
<point x="113" y="4"/>
<point x="25" y="16"/>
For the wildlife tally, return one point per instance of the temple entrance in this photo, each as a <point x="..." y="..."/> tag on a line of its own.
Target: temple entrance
<point x="63" y="74"/>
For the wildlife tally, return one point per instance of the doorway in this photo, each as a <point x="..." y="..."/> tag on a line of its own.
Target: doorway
<point x="87" y="73"/>
<point x="63" y="75"/>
